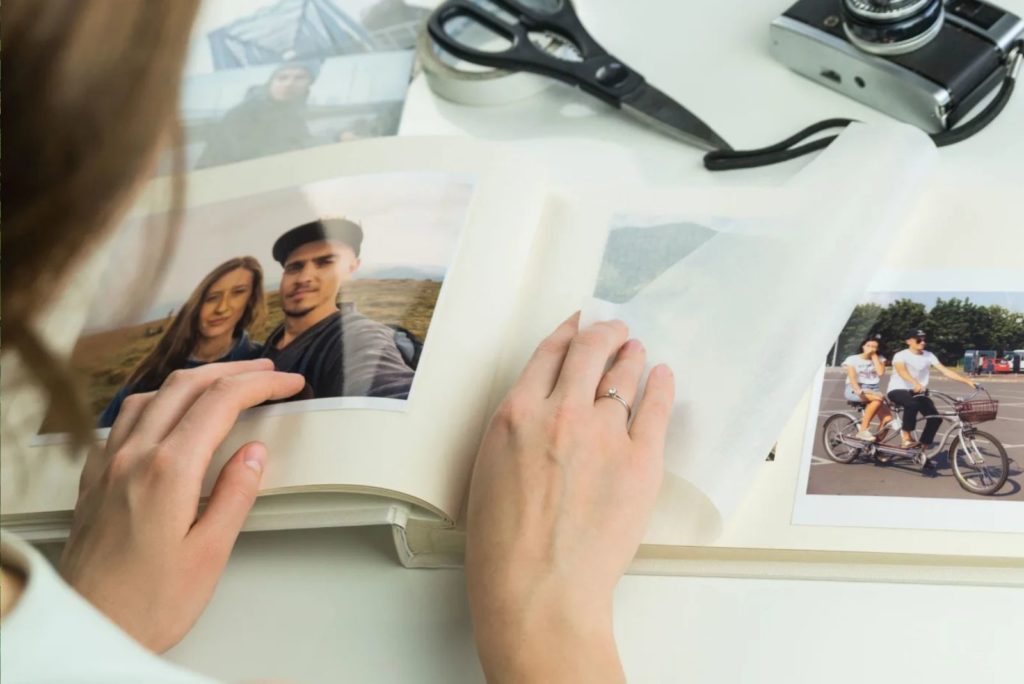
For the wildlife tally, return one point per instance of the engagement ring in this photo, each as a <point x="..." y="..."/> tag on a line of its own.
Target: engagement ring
<point x="613" y="393"/>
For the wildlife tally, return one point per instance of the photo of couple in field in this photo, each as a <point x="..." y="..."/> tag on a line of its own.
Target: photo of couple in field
<point x="336" y="280"/>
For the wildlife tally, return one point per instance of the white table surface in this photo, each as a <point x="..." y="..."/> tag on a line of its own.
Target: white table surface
<point x="334" y="605"/>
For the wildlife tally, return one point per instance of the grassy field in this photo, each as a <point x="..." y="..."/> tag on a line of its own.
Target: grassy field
<point x="104" y="360"/>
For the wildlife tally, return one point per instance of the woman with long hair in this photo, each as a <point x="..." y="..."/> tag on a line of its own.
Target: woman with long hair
<point x="90" y="101"/>
<point x="212" y="325"/>
<point x="864" y="372"/>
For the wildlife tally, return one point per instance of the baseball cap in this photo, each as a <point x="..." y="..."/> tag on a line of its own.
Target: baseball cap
<point x="310" y="66"/>
<point x="915" y="332"/>
<point x="342" y="230"/>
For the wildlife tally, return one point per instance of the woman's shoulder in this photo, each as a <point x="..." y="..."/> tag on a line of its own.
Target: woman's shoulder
<point x="50" y="618"/>
<point x="244" y="349"/>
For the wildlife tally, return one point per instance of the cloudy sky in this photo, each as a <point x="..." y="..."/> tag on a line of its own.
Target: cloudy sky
<point x="412" y="220"/>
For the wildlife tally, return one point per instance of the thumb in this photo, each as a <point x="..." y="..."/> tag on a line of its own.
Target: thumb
<point x="232" y="498"/>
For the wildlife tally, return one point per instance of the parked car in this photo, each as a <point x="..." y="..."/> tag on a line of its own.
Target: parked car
<point x="1002" y="365"/>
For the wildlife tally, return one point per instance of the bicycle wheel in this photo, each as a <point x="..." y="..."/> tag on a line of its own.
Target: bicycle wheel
<point x="840" y="425"/>
<point x="979" y="462"/>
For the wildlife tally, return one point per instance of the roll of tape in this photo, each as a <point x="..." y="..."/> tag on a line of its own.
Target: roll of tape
<point x="479" y="86"/>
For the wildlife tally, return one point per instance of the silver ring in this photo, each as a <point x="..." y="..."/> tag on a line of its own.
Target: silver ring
<point x="613" y="393"/>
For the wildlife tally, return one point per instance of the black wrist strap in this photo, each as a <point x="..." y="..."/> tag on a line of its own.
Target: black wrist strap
<point x="790" y="148"/>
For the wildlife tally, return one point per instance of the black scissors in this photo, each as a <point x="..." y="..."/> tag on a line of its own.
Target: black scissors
<point x="528" y="25"/>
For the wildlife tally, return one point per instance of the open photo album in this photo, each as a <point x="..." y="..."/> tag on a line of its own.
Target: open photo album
<point x="409" y="279"/>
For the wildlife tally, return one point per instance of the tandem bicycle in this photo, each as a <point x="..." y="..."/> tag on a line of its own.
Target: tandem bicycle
<point x="978" y="460"/>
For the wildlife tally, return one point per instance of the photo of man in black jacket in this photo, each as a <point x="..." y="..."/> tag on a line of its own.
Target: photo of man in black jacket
<point x="339" y="351"/>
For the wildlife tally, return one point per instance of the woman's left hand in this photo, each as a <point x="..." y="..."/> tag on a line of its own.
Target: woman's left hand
<point x="137" y="550"/>
<point x="561" y="494"/>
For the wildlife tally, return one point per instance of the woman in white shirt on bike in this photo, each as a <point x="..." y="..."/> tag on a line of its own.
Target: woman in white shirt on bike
<point x="864" y="373"/>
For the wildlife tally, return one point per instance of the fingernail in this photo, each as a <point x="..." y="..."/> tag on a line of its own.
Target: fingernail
<point x="633" y="344"/>
<point x="662" y="371"/>
<point x="612" y="322"/>
<point x="255" y="457"/>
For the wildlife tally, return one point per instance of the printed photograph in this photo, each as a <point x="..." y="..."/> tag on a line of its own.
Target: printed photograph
<point x="923" y="396"/>
<point x="240" y="114"/>
<point x="271" y="77"/>
<point x="337" y="280"/>
<point x="641" y="248"/>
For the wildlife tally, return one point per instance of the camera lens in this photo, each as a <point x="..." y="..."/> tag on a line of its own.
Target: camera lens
<point x="891" y="27"/>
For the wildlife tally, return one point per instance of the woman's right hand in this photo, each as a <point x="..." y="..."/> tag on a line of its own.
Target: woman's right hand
<point x="561" y="495"/>
<point x="137" y="550"/>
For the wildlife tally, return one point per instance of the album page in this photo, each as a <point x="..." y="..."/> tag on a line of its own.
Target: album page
<point x="383" y="271"/>
<point x="744" y="294"/>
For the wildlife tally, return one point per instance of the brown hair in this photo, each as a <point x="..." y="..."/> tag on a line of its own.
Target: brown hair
<point x="90" y="91"/>
<point x="179" y="342"/>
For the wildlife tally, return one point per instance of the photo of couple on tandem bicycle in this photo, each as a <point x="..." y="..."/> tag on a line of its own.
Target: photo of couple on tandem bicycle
<point x="883" y="426"/>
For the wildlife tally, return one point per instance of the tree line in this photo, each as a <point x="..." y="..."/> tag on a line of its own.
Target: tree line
<point x="953" y="325"/>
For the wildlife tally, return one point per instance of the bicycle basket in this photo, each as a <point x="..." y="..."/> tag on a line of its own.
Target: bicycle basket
<point x="977" y="411"/>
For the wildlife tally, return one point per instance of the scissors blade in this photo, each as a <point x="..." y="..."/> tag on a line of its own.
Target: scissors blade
<point x="661" y="112"/>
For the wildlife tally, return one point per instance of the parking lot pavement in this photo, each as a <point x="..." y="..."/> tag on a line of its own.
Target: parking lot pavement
<point x="902" y="478"/>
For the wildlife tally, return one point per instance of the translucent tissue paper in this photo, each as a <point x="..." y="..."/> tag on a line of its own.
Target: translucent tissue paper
<point x="746" y="318"/>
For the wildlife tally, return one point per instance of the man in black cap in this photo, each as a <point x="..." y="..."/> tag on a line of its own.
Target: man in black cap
<point x="339" y="351"/>
<point x="913" y="371"/>
<point x="270" y="119"/>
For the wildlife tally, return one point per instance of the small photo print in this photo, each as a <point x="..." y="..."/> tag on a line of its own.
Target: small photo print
<point x="269" y="77"/>
<point x="921" y="402"/>
<point x="241" y="114"/>
<point x="336" y="280"/>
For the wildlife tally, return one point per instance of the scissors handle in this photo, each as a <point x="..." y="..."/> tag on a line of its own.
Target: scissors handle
<point x="597" y="73"/>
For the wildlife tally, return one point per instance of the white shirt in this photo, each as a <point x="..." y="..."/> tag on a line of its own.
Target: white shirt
<point x="867" y="374"/>
<point x="51" y="635"/>
<point x="54" y="635"/>
<point x="918" y="367"/>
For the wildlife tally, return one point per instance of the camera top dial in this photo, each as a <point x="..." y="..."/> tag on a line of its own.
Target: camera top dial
<point x="886" y="10"/>
<point x="891" y="27"/>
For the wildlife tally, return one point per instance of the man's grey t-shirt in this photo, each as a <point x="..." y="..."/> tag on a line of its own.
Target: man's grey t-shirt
<point x="344" y="355"/>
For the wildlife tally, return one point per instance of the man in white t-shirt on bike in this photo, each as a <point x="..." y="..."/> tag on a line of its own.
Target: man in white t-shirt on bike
<point x="912" y="368"/>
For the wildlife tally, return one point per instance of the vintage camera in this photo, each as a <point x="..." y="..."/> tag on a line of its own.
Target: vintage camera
<point x="926" y="62"/>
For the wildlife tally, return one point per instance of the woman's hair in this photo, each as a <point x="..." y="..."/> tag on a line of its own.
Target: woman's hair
<point x="871" y="338"/>
<point x="182" y="336"/>
<point x="90" y="94"/>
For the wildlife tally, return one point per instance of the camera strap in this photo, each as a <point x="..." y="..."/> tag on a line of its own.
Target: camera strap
<point x="795" y="146"/>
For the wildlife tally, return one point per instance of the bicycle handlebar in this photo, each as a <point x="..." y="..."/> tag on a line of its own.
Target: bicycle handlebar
<point x="953" y="400"/>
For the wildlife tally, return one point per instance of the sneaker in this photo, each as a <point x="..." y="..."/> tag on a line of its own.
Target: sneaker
<point x="866" y="436"/>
